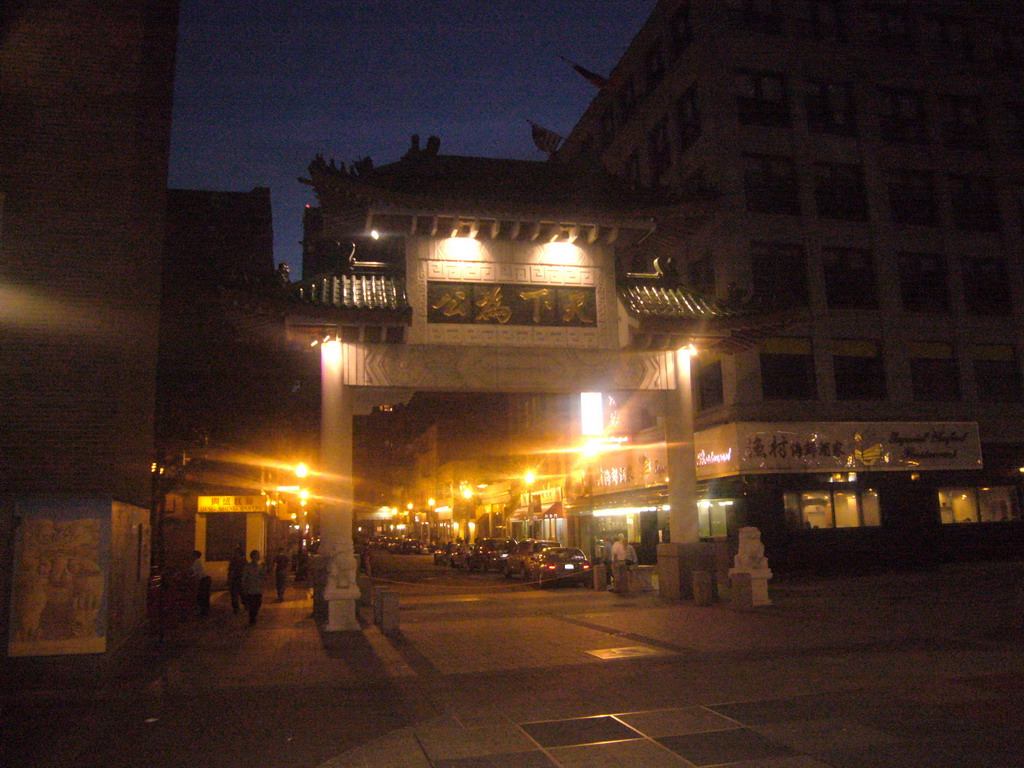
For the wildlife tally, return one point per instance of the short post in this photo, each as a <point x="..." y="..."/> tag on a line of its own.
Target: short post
<point x="388" y="610"/>
<point x="600" y="578"/>
<point x="703" y="587"/>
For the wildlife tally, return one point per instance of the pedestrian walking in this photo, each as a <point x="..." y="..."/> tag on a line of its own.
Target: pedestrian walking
<point x="235" y="567"/>
<point x="623" y="559"/>
<point x="252" y="585"/>
<point x="202" y="583"/>
<point x="281" y="565"/>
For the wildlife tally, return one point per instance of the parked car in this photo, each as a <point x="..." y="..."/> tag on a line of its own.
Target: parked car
<point x="489" y="554"/>
<point x="559" y="565"/>
<point x="461" y="554"/>
<point x="515" y="563"/>
<point x="443" y="554"/>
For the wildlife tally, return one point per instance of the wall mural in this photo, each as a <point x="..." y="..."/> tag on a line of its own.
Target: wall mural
<point x="60" y="577"/>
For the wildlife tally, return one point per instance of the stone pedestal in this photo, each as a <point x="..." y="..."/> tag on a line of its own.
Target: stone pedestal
<point x="676" y="565"/>
<point x="703" y="587"/>
<point x="600" y="578"/>
<point x="750" y="572"/>
<point x="342" y="594"/>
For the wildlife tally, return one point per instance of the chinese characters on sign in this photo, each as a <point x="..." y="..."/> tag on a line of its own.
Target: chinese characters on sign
<point x="509" y="304"/>
<point x="231" y="504"/>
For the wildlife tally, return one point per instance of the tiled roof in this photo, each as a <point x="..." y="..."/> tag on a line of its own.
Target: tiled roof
<point x="365" y="292"/>
<point x="671" y="303"/>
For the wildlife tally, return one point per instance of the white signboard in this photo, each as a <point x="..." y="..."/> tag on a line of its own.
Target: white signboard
<point x="850" y="446"/>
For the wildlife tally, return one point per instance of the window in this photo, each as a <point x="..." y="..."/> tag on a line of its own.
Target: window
<point x="710" y="390"/>
<point x="859" y="371"/>
<point x="1008" y="51"/>
<point x="608" y="126"/>
<point x="701" y="274"/>
<point x="833" y="509"/>
<point x="761" y="98"/>
<point x="934" y="374"/>
<point x="849" y="278"/>
<point x="986" y="285"/>
<point x="996" y="373"/>
<point x="923" y="286"/>
<point x="830" y="108"/>
<point x="681" y="28"/>
<point x="625" y="101"/>
<point x="660" y="150"/>
<point x="974" y="205"/>
<point x="902" y="118"/>
<point x="894" y="28"/>
<point x="997" y="504"/>
<point x="820" y="19"/>
<point x="689" y="119"/>
<point x="712" y="517"/>
<point x="949" y="36"/>
<point x="654" y="66"/>
<point x="839" y="191"/>
<point x="1015" y="125"/>
<point x="962" y="124"/>
<point x="779" y="272"/>
<point x="755" y="15"/>
<point x="912" y="197"/>
<point x="787" y="370"/>
<point x="770" y="185"/>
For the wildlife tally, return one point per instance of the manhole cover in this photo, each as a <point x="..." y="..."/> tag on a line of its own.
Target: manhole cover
<point x="625" y="653"/>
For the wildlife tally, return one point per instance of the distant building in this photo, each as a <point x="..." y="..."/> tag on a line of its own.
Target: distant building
<point x="864" y="161"/>
<point x="84" y="134"/>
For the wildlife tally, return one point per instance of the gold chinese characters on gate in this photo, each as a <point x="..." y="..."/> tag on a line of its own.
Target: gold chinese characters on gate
<point x="511" y="304"/>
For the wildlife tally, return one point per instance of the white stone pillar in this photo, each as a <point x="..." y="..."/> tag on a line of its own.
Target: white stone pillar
<point x="678" y="559"/>
<point x="337" y="493"/>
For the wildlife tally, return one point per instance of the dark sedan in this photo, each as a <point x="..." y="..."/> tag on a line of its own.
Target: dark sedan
<point x="489" y="554"/>
<point x="559" y="565"/>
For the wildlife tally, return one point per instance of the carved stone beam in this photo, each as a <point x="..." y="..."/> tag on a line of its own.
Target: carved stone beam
<point x="433" y="226"/>
<point x="592" y="232"/>
<point x="495" y="228"/>
<point x="413" y="223"/>
<point x="535" y="230"/>
<point x="516" y="226"/>
<point x="613" y="235"/>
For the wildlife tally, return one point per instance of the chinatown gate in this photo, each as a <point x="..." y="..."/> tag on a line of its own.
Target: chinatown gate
<point x="452" y="273"/>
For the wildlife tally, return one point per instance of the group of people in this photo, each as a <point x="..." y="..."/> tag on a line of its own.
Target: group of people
<point x="246" y="580"/>
<point x="620" y="558"/>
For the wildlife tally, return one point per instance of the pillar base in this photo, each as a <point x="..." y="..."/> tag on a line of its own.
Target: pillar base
<point x="677" y="563"/>
<point x="341" y="611"/>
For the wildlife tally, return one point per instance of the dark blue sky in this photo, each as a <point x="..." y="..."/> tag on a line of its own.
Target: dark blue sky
<point x="264" y="85"/>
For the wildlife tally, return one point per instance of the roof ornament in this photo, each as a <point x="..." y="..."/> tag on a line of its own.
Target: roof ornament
<point x="432" y="148"/>
<point x="664" y="268"/>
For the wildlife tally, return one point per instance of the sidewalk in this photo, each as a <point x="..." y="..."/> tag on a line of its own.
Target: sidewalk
<point x="918" y="669"/>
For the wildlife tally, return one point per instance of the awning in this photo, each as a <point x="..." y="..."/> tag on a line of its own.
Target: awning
<point x="555" y="510"/>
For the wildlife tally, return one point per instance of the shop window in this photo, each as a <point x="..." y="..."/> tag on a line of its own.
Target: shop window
<point x="761" y="98"/>
<point x="923" y="282"/>
<point x="833" y="509"/>
<point x="770" y="185"/>
<point x="839" y="191"/>
<point x="224" y="532"/>
<point x="849" y="278"/>
<point x="902" y="118"/>
<point x="996" y="373"/>
<point x="779" y="273"/>
<point x="713" y="517"/>
<point x="973" y="200"/>
<point x="787" y="370"/>
<point x="934" y="373"/>
<point x="859" y="370"/>
<point x="830" y="109"/>
<point x="986" y="285"/>
<point x="912" y="197"/>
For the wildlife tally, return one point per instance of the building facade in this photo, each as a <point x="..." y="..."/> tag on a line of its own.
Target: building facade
<point x="862" y="161"/>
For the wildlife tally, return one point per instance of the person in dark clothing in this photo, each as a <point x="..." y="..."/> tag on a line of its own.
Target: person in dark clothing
<point x="252" y="585"/>
<point x="281" y="565"/>
<point x="202" y="580"/>
<point x="235" y="567"/>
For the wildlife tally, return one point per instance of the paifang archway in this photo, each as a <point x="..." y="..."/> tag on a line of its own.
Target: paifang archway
<point x="473" y="274"/>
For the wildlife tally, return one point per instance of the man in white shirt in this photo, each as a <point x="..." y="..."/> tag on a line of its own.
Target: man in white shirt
<point x="622" y="559"/>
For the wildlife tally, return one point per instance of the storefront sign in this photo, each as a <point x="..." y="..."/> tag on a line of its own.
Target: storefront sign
<point x="836" y="446"/>
<point x="231" y="504"/>
<point x="511" y="304"/>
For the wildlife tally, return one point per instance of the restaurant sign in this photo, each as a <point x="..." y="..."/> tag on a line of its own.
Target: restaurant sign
<point x="511" y="304"/>
<point x="836" y="446"/>
<point x="255" y="503"/>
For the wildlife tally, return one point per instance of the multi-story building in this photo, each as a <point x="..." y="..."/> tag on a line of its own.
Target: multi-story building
<point x="84" y="135"/>
<point x="863" y="160"/>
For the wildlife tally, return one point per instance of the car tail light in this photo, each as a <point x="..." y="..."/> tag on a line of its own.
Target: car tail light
<point x="552" y="567"/>
<point x="586" y="566"/>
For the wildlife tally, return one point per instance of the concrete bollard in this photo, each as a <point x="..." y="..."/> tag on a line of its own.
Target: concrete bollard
<point x="385" y="610"/>
<point x="600" y="578"/>
<point x="742" y="592"/>
<point x="703" y="587"/>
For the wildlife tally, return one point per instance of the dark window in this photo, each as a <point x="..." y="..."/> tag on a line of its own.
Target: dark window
<point x="689" y="119"/>
<point x="859" y="371"/>
<point x="949" y="37"/>
<point x="839" y="191"/>
<point x="1015" y="125"/>
<point x="660" y="149"/>
<point x="996" y="373"/>
<point x="1009" y="48"/>
<point x="761" y="98"/>
<point x="625" y="101"/>
<point x="830" y="108"/>
<point x="778" y="272"/>
<point x="986" y="285"/>
<point x="755" y="15"/>
<point x="770" y="184"/>
<point x="787" y="370"/>
<point x="923" y="286"/>
<point x="902" y="119"/>
<point x="962" y="123"/>
<point x="820" y="19"/>
<point x="608" y="126"/>
<point x="655" y="66"/>
<point x="681" y="29"/>
<point x="894" y="28"/>
<point x="912" y="197"/>
<point x="849" y="278"/>
<point x="934" y="375"/>
<point x="710" y="392"/>
<point x="701" y="274"/>
<point x="973" y="201"/>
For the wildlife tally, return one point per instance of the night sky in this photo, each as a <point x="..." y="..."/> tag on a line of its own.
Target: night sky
<point x="264" y="85"/>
